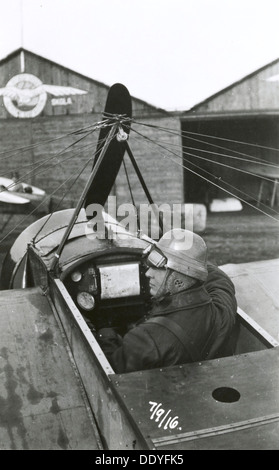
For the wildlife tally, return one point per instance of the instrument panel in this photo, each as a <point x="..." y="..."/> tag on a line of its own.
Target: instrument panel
<point x="109" y="290"/>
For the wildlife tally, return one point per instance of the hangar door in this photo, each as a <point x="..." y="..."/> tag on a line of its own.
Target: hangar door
<point x="223" y="153"/>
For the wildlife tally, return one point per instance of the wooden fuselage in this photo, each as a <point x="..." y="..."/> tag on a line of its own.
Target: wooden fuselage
<point x="226" y="403"/>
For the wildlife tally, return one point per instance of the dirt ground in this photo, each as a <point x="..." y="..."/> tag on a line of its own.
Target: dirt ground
<point x="232" y="237"/>
<point x="241" y="237"/>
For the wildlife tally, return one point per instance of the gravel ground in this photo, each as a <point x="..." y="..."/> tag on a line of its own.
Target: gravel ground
<point x="232" y="237"/>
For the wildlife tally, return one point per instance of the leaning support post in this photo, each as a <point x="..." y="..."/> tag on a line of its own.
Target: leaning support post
<point x="139" y="175"/>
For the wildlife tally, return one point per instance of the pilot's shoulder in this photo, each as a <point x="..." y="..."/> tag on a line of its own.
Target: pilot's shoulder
<point x="218" y="279"/>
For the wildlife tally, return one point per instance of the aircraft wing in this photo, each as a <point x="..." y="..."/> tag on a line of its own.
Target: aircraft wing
<point x="42" y="402"/>
<point x="257" y="287"/>
<point x="10" y="198"/>
<point x="8" y="183"/>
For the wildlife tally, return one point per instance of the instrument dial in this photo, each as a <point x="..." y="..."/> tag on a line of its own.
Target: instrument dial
<point x="76" y="276"/>
<point x="86" y="300"/>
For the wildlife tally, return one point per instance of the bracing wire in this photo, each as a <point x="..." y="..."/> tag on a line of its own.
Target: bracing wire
<point x="46" y="198"/>
<point x="181" y="133"/>
<point x="85" y="132"/>
<point x="28" y="165"/>
<point x="25" y="148"/>
<point x="215" y="162"/>
<point x="67" y="190"/>
<point x="24" y="218"/>
<point x="41" y="164"/>
<point x="228" y="166"/>
<point x="251" y="159"/>
<point x="75" y="178"/>
<point x="255" y="160"/>
<point x="225" y="182"/>
<point x="249" y="144"/>
<point x="203" y="177"/>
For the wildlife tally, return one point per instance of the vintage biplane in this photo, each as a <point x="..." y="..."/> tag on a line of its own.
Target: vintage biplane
<point x="58" y="391"/>
<point x="17" y="197"/>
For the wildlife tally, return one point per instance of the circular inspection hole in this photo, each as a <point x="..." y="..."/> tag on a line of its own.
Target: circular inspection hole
<point x="226" y="394"/>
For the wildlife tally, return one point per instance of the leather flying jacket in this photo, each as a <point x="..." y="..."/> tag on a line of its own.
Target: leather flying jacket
<point x="204" y="315"/>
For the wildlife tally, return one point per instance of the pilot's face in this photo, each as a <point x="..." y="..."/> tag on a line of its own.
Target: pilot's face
<point x="156" y="278"/>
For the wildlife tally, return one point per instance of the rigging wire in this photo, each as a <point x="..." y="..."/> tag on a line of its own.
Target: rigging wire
<point x="213" y="161"/>
<point x="19" y="150"/>
<point x="251" y="159"/>
<point x="174" y="131"/>
<point x="105" y="122"/>
<point x="222" y="164"/>
<point x="45" y="199"/>
<point x="256" y="160"/>
<point x="61" y="162"/>
<point x="68" y="189"/>
<point x="229" y="166"/>
<point x="206" y="179"/>
<point x="61" y="199"/>
<point x="47" y="161"/>
<point x="229" y="192"/>
<point x="101" y="123"/>
<point x="32" y="212"/>
<point x="28" y="165"/>
<point x="44" y="162"/>
<point x="225" y="182"/>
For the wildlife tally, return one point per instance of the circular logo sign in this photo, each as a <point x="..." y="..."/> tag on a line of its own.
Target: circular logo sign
<point x="24" y="96"/>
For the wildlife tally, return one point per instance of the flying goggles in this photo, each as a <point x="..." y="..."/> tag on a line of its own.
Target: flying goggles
<point x="153" y="257"/>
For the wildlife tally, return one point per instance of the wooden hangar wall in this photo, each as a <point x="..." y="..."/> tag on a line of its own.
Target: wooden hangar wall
<point x="38" y="137"/>
<point x="245" y="112"/>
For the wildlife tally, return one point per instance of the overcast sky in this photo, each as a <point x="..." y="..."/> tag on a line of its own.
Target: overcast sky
<point x="170" y="53"/>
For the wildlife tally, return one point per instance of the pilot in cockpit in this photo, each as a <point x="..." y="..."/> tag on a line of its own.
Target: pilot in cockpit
<point x="193" y="314"/>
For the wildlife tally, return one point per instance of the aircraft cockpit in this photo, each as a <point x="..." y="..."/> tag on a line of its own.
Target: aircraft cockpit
<point x="110" y="290"/>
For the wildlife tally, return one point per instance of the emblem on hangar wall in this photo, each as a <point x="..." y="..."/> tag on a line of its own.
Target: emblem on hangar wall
<point x="25" y="95"/>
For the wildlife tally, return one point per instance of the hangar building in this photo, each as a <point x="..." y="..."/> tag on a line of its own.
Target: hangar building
<point x="42" y="135"/>
<point x="228" y="137"/>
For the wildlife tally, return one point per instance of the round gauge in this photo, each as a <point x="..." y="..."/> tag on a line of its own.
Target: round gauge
<point x="76" y="276"/>
<point x="85" y="300"/>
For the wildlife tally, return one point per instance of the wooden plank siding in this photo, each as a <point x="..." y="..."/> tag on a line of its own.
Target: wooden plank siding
<point x="54" y="74"/>
<point x="45" y="140"/>
<point x="251" y="93"/>
<point x="162" y="171"/>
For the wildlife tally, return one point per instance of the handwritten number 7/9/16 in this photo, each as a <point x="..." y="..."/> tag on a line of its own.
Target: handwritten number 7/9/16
<point x="162" y="416"/>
